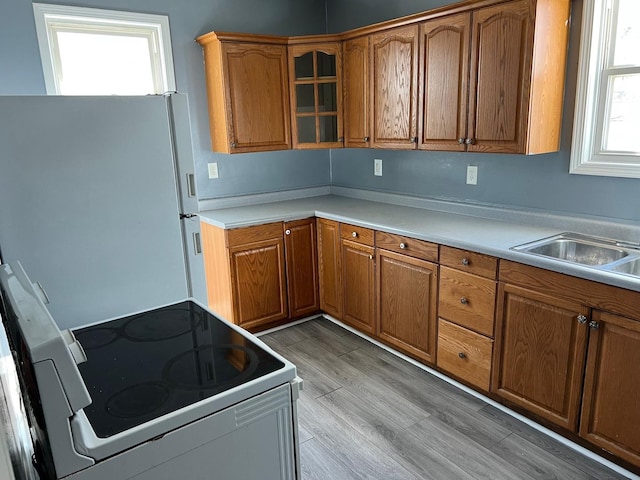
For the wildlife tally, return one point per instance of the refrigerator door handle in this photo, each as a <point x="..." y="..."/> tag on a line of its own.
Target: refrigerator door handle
<point x="191" y="185"/>
<point x="197" y="244"/>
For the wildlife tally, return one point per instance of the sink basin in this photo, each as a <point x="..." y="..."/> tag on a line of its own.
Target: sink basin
<point x="632" y="267"/>
<point x="576" y="248"/>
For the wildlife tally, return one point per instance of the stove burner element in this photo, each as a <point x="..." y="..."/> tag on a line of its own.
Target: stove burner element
<point x="161" y="325"/>
<point x="138" y="400"/>
<point x="96" y="337"/>
<point x="216" y="367"/>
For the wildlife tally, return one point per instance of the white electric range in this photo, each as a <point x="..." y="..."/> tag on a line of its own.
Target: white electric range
<point x="172" y="392"/>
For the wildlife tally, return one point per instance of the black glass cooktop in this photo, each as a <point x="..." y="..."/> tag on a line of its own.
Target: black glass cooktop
<point x="144" y="366"/>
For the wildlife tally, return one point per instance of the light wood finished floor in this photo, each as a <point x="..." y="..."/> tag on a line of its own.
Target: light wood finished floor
<point x="367" y="414"/>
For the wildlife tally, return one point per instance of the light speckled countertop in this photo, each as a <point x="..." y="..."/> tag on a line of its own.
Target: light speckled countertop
<point x="484" y="235"/>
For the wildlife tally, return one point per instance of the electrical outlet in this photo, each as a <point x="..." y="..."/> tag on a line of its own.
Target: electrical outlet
<point x="213" y="170"/>
<point x="377" y="167"/>
<point x="472" y="175"/>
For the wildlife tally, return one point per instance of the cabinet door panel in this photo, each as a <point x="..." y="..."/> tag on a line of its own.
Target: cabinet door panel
<point x="259" y="283"/>
<point x="357" y="275"/>
<point x="356" y="92"/>
<point x="302" y="271"/>
<point x="315" y="78"/>
<point x="407" y="297"/>
<point x="258" y="100"/>
<point x="501" y="53"/>
<point x="611" y="406"/>
<point x="444" y="55"/>
<point x="330" y="267"/>
<point x="541" y="353"/>
<point x="394" y="93"/>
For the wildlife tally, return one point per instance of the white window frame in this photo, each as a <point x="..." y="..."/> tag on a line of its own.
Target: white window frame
<point x="52" y="18"/>
<point x="591" y="100"/>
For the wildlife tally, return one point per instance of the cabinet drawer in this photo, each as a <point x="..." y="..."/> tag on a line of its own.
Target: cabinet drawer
<point x="356" y="234"/>
<point x="407" y="246"/>
<point x="464" y="354"/>
<point x="257" y="233"/>
<point x="467" y="261"/>
<point x="467" y="300"/>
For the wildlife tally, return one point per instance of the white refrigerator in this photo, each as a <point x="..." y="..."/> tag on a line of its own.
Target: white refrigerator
<point x="97" y="201"/>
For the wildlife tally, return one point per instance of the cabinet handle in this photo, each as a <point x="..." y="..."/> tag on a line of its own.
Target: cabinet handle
<point x="462" y="355"/>
<point x="370" y="257"/>
<point x="287" y="232"/>
<point x="582" y="319"/>
<point x="461" y="141"/>
<point x="403" y="245"/>
<point x="354" y="234"/>
<point x="465" y="261"/>
<point x="366" y="139"/>
<point x="464" y="301"/>
<point x="470" y="141"/>
<point x="593" y="324"/>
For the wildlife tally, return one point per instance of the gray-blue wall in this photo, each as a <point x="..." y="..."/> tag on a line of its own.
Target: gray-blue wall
<point x="21" y="74"/>
<point x="539" y="181"/>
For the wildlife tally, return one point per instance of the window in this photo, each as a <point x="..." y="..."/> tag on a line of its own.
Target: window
<point x="605" y="133"/>
<point x="87" y="51"/>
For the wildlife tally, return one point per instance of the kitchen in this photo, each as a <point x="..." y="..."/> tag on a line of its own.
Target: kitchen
<point x="538" y="182"/>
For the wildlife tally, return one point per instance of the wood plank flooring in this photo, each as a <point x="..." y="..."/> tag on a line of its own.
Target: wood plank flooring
<point x="367" y="414"/>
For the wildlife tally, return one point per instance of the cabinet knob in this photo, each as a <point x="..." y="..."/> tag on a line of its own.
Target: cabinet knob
<point x="462" y="355"/>
<point x="593" y="324"/>
<point x="465" y="261"/>
<point x="370" y="257"/>
<point x="354" y="234"/>
<point x="403" y="245"/>
<point x="461" y="141"/>
<point x="582" y="319"/>
<point x="464" y="301"/>
<point x="233" y="144"/>
<point x="414" y="140"/>
<point x="341" y="139"/>
<point x="366" y="139"/>
<point x="287" y="232"/>
<point x="470" y="141"/>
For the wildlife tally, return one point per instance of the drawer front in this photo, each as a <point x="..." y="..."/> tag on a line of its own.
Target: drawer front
<point x="357" y="234"/>
<point x="407" y="246"/>
<point x="257" y="233"/>
<point x="476" y="263"/>
<point x="467" y="300"/>
<point x="464" y="354"/>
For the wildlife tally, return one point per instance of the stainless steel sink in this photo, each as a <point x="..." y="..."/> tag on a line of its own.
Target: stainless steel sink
<point x="580" y="249"/>
<point x="578" y="252"/>
<point x="631" y="267"/>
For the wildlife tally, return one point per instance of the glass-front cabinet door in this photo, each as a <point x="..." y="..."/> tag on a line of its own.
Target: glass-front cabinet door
<point x="316" y="95"/>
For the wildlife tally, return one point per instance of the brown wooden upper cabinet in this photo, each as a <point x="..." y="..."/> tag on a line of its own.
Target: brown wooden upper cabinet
<point x="355" y="73"/>
<point x="248" y="92"/>
<point x="500" y="91"/>
<point x="393" y="61"/>
<point x="315" y="80"/>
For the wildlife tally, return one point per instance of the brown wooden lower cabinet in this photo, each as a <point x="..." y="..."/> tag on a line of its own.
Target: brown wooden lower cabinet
<point x="611" y="405"/>
<point x="540" y="353"/>
<point x="259" y="282"/>
<point x="358" y="283"/>
<point x="302" y="267"/>
<point x="407" y="293"/>
<point x="330" y="267"/>
<point x="256" y="278"/>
